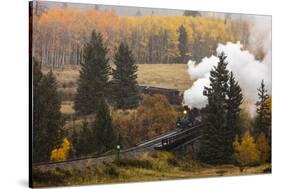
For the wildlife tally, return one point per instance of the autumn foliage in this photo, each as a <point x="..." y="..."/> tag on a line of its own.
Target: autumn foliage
<point x="263" y="147"/>
<point x="153" y="117"/>
<point x="60" y="34"/>
<point x="61" y="153"/>
<point x="246" y="152"/>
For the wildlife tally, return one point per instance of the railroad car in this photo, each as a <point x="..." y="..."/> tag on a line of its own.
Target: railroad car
<point x="173" y="95"/>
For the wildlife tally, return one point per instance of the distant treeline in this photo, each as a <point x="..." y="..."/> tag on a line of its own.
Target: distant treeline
<point x="60" y="34"/>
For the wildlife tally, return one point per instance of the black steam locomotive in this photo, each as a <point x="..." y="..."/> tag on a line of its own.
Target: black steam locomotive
<point x="190" y="120"/>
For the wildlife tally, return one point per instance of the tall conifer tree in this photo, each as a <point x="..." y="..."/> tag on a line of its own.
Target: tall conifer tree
<point x="263" y="119"/>
<point x="124" y="83"/>
<point x="94" y="75"/>
<point x="213" y="147"/>
<point x="104" y="134"/>
<point x="85" y="145"/>
<point x="47" y="118"/>
<point x="233" y="102"/>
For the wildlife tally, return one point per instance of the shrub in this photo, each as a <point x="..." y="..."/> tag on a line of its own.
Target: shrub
<point x="153" y="117"/>
<point x="162" y="160"/>
<point x="54" y="177"/>
<point x="139" y="163"/>
<point x="263" y="148"/>
<point x="111" y="170"/>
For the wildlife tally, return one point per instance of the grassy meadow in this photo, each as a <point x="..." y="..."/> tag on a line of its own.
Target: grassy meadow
<point x="174" y="76"/>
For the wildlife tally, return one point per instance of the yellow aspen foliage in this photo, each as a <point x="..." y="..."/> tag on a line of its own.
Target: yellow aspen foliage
<point x="61" y="153"/>
<point x="246" y="152"/>
<point x="263" y="148"/>
<point x="62" y="32"/>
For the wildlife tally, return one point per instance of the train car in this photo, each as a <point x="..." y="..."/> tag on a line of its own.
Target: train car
<point x="173" y="95"/>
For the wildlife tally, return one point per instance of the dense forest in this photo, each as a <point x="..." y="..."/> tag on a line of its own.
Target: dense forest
<point x="60" y="34"/>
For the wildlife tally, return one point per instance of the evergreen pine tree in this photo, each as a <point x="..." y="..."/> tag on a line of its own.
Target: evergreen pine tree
<point x="213" y="147"/>
<point x="85" y="141"/>
<point x="125" y="91"/>
<point x="182" y="45"/>
<point x="94" y="75"/>
<point x="263" y="119"/>
<point x="104" y="135"/>
<point x="233" y="102"/>
<point x="47" y="118"/>
<point x="74" y="142"/>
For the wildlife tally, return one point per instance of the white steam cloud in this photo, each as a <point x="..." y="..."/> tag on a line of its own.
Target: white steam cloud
<point x="247" y="70"/>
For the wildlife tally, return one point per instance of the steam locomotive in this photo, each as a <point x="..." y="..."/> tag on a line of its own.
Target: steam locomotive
<point x="175" y="98"/>
<point x="190" y="120"/>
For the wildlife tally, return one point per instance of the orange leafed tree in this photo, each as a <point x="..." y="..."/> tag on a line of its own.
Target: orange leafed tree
<point x="61" y="153"/>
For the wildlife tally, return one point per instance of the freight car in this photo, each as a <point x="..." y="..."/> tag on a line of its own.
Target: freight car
<point x="174" y="96"/>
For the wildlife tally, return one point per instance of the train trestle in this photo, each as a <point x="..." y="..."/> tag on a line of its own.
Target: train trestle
<point x="181" y="141"/>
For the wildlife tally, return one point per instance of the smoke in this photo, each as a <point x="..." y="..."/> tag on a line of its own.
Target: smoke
<point x="248" y="71"/>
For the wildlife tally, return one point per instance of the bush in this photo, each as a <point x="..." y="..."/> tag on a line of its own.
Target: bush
<point x="153" y="117"/>
<point x="139" y="163"/>
<point x="163" y="160"/>
<point x="263" y="148"/>
<point x="54" y="177"/>
<point x="111" y="170"/>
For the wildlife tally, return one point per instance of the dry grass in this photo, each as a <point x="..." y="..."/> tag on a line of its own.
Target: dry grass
<point x="164" y="75"/>
<point x="144" y="169"/>
<point x="160" y="75"/>
<point x="173" y="76"/>
<point x="67" y="107"/>
<point x="65" y="75"/>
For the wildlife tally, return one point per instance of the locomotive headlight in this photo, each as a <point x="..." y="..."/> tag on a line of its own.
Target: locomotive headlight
<point x="184" y="112"/>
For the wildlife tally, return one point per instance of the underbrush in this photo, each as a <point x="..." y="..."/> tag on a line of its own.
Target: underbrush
<point x="51" y="177"/>
<point x="157" y="166"/>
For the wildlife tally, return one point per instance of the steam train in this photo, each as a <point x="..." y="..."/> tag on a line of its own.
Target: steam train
<point x="174" y="96"/>
<point x="192" y="119"/>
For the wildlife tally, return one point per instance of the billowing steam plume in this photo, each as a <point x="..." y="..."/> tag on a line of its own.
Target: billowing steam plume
<point x="247" y="70"/>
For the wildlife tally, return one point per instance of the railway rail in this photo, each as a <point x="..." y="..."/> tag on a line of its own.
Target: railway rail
<point x="156" y="143"/>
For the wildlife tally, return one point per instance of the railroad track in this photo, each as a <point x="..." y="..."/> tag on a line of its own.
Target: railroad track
<point x="146" y="146"/>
